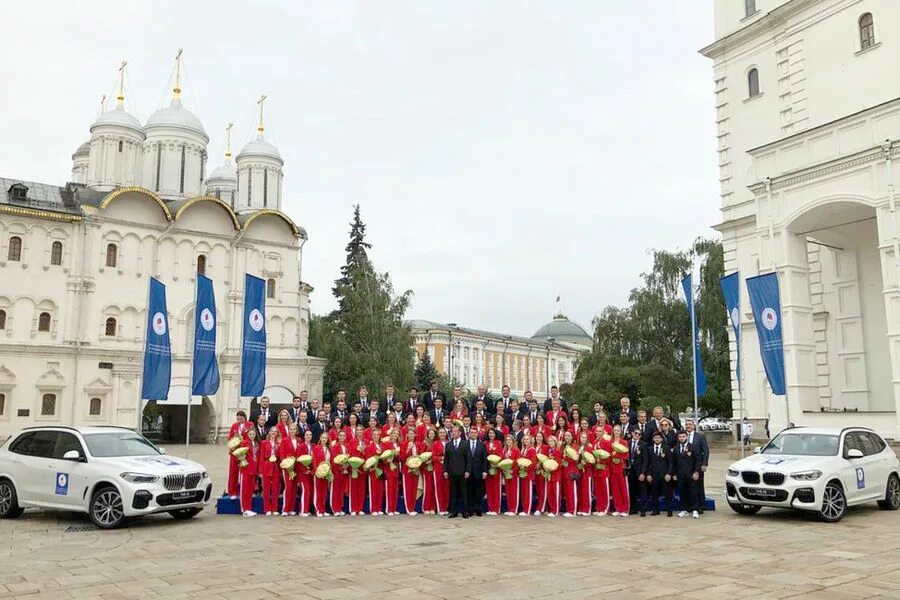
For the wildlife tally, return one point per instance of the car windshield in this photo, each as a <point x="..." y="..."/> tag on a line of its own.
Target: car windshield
<point x="803" y="444"/>
<point x="119" y="443"/>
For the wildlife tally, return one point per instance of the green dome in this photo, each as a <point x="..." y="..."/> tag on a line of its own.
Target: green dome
<point x="563" y="330"/>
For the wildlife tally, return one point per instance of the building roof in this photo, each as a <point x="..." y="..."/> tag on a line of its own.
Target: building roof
<point x="176" y="115"/>
<point x="40" y="196"/>
<point x="563" y="330"/>
<point x="259" y="147"/>
<point x="423" y="324"/>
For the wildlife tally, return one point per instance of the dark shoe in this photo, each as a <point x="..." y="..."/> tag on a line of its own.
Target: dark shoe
<point x="465" y="515"/>
<point x="655" y="513"/>
<point x="454" y="515"/>
<point x="701" y="511"/>
<point x="478" y="513"/>
<point x="643" y="514"/>
<point x="669" y="514"/>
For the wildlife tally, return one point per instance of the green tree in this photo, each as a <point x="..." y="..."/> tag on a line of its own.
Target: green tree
<point x="365" y="339"/>
<point x="425" y="372"/>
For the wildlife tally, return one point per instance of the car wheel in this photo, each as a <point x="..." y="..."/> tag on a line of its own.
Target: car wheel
<point x="185" y="513"/>
<point x="9" y="501"/>
<point x="834" y="503"/>
<point x="106" y="508"/>
<point x="745" y="509"/>
<point x="891" y="495"/>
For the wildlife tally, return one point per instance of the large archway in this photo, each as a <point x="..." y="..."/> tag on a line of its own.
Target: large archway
<point x="166" y="421"/>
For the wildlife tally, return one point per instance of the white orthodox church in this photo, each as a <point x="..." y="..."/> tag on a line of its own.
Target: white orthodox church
<point x="807" y="104"/>
<point x="75" y="263"/>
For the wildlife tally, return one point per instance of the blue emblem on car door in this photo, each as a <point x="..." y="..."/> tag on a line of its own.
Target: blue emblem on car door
<point x="62" y="484"/>
<point x="860" y="478"/>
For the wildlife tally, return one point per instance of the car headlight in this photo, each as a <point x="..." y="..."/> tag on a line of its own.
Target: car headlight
<point x="806" y="475"/>
<point x="139" y="478"/>
<point x="205" y="475"/>
<point x="733" y="472"/>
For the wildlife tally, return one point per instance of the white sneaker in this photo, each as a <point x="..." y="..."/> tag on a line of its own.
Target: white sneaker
<point x="443" y="513"/>
<point x="524" y="514"/>
<point x="623" y="515"/>
<point x="683" y="513"/>
<point x="600" y="514"/>
<point x="537" y="513"/>
<point x="615" y="513"/>
<point x="233" y="498"/>
<point x="568" y="515"/>
<point x="249" y="513"/>
<point x="510" y="514"/>
<point x="304" y="514"/>
<point x="412" y="514"/>
<point x="269" y="513"/>
<point x="489" y="513"/>
<point x="695" y="514"/>
<point x="551" y="515"/>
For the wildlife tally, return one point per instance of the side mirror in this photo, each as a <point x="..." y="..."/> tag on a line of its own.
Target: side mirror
<point x="757" y="450"/>
<point x="162" y="450"/>
<point x="73" y="455"/>
<point x="854" y="453"/>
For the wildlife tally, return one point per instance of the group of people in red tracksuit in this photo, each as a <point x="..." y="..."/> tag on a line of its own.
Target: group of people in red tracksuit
<point x="550" y="462"/>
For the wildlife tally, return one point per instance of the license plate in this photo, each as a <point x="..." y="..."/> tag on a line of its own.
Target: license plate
<point x="182" y="495"/>
<point x="766" y="493"/>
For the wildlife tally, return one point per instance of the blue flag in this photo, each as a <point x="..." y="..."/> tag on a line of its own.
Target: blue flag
<point x="699" y="375"/>
<point x="766" y="305"/>
<point x="205" y="369"/>
<point x="253" y="345"/>
<point x="157" y="350"/>
<point x="731" y="290"/>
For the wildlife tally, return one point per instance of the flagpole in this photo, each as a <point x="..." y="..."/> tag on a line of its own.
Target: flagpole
<point x="140" y="408"/>
<point x="694" y="345"/>
<point x="740" y="378"/>
<point x="187" y="429"/>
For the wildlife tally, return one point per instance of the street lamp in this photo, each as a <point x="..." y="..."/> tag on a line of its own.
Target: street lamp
<point x="550" y="342"/>
<point x="451" y="327"/>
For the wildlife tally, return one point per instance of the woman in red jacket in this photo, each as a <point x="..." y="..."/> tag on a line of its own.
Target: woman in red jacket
<point x="337" y="429"/>
<point x="553" y="486"/>
<point x="376" y="483"/>
<point x="321" y="455"/>
<point x="570" y="475"/>
<point x="423" y="428"/>
<point x="388" y="427"/>
<point x="586" y="489"/>
<point x="561" y="425"/>
<point x="304" y="474"/>
<point x="392" y="473"/>
<point x="540" y="426"/>
<point x="338" y="487"/>
<point x="358" y="485"/>
<point x="493" y="484"/>
<point x="290" y="446"/>
<point x="352" y="424"/>
<point x="409" y="449"/>
<point x="409" y="424"/>
<point x="430" y="484"/>
<point x="526" y="484"/>
<point x="270" y="472"/>
<point x="459" y="411"/>
<point x="540" y="482"/>
<point x="442" y="485"/>
<point x="512" y="485"/>
<point x="617" y="482"/>
<point x="249" y="473"/>
<point x="501" y="428"/>
<point x="601" y="429"/>
<point x="238" y="429"/>
<point x="284" y="423"/>
<point x="373" y="433"/>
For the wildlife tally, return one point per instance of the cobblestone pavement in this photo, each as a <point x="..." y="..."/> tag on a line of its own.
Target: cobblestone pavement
<point x="721" y="555"/>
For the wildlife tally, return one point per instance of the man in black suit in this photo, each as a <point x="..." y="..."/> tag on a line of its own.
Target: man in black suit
<point x="409" y="408"/>
<point x="531" y="410"/>
<point x="457" y="468"/>
<point x="594" y="416"/>
<point x="296" y="407"/>
<point x="644" y="427"/>
<point x="483" y="396"/>
<point x="687" y="473"/>
<point x="302" y="425"/>
<point x="478" y="468"/>
<point x="262" y="429"/>
<point x="373" y="411"/>
<point x="266" y="410"/>
<point x="554" y="395"/>
<point x="656" y="474"/>
<point x="438" y="412"/>
<point x="698" y="441"/>
<point x="625" y="406"/>
<point x="433" y="393"/>
<point x="503" y="404"/>
<point x="340" y="411"/>
<point x="389" y="399"/>
<point x="635" y="464"/>
<point x="320" y="426"/>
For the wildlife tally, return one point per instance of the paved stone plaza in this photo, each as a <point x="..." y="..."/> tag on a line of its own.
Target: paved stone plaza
<point x="721" y="555"/>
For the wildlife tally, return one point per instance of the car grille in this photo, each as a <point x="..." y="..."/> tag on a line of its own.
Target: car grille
<point x="180" y="498"/>
<point x="750" y="476"/>
<point x="773" y="478"/>
<point x="191" y="480"/>
<point x="173" y="482"/>
<point x="764" y="494"/>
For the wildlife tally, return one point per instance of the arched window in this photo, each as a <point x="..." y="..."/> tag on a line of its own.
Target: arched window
<point x="270" y="288"/>
<point x="753" y="83"/>
<point x="866" y="31"/>
<point x="2" y="320"/>
<point x="120" y="145"/>
<point x="112" y="255"/>
<point x="2" y="404"/>
<point x="48" y="405"/>
<point x="15" y="248"/>
<point x="201" y="264"/>
<point x="56" y="253"/>
<point x="44" y="321"/>
<point x="96" y="407"/>
<point x="749" y="7"/>
<point x="110" y="327"/>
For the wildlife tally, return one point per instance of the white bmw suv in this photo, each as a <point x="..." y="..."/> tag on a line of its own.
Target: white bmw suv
<point x="816" y="469"/>
<point x="110" y="473"/>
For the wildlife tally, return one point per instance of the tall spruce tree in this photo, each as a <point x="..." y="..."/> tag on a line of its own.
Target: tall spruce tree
<point x="425" y="372"/>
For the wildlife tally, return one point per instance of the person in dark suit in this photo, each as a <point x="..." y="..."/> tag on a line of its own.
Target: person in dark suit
<point x="438" y="412"/>
<point x="644" y="427"/>
<point x="554" y="395"/>
<point x="261" y="427"/>
<point x="320" y="426"/>
<point x="340" y="412"/>
<point x="373" y="411"/>
<point x="266" y="410"/>
<point x="457" y="469"/>
<point x="483" y="396"/>
<point x="625" y="406"/>
<point x="432" y="394"/>
<point x="478" y="469"/>
<point x="636" y="450"/>
<point x="409" y="407"/>
<point x="389" y="397"/>
<point x="687" y="473"/>
<point x="302" y="425"/>
<point x="656" y="473"/>
<point x="698" y="441"/>
<point x="595" y="415"/>
<point x="503" y="404"/>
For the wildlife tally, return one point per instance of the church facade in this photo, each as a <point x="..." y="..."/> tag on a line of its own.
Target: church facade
<point x="75" y="262"/>
<point x="808" y="128"/>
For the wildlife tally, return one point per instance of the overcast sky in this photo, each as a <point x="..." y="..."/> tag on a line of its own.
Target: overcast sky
<point x="502" y="152"/>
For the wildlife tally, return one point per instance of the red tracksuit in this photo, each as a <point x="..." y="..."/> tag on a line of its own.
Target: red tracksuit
<point x="358" y="486"/>
<point x="320" y="486"/>
<point x="493" y="484"/>
<point x="512" y="485"/>
<point x="601" y="478"/>
<point x="376" y="484"/>
<point x="233" y="475"/>
<point x="553" y="485"/>
<point x="270" y="471"/>
<point x="569" y="483"/>
<point x="305" y="477"/>
<point x="618" y="483"/>
<point x="410" y="479"/>
<point x="249" y="474"/>
<point x="586" y="485"/>
<point x="283" y="430"/>
<point x="540" y="483"/>
<point x="526" y="484"/>
<point x="428" y="480"/>
<point x="392" y="481"/>
<point x="290" y="447"/>
<point x="338" y="488"/>
<point x="441" y="485"/>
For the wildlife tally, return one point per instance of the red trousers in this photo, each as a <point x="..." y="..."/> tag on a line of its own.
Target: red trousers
<point x="601" y="491"/>
<point x="553" y="497"/>
<point x="290" y="493"/>
<point x="619" y="486"/>
<point x="512" y="494"/>
<point x="493" y="487"/>
<point x="305" y="485"/>
<point x="443" y="492"/>
<point x="357" y="492"/>
<point x="526" y="494"/>
<point x="336" y="491"/>
<point x="570" y="489"/>
<point x="376" y="493"/>
<point x="270" y="488"/>
<point x="540" y="483"/>
<point x="392" y="493"/>
<point x="428" y="499"/>
<point x="248" y="485"/>
<point x="320" y="495"/>
<point x="410" y="490"/>
<point x="233" y="476"/>
<point x="585" y="487"/>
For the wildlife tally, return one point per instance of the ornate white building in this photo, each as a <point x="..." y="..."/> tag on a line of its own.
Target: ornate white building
<point x="75" y="263"/>
<point x="808" y="113"/>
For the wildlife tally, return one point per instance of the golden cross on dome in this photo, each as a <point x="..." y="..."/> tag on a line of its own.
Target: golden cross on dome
<point x="228" y="140"/>
<point x="102" y="103"/>
<point x="121" y="97"/>
<point x="176" y="91"/>
<point x="260" y="127"/>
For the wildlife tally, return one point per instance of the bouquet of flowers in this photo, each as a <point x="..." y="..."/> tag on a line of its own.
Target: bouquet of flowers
<point x="542" y="457"/>
<point x="414" y="463"/>
<point x="341" y="461"/>
<point x="588" y="458"/>
<point x="524" y="464"/>
<point x="506" y="466"/>
<point x="323" y="471"/>
<point x="355" y="463"/>
<point x="388" y="457"/>
<point x="426" y="460"/>
<point x="457" y="422"/>
<point x="619" y="449"/>
<point x="549" y="466"/>
<point x="386" y="439"/>
<point x="288" y="465"/>
<point x="241" y="455"/>
<point x="606" y="437"/>
<point x="601" y="454"/>
<point x="305" y="460"/>
<point x="570" y="453"/>
<point x="493" y="460"/>
<point x="234" y="443"/>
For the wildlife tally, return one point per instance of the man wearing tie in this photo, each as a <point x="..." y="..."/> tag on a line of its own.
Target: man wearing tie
<point x="413" y="401"/>
<point x="267" y="411"/>
<point x="687" y="472"/>
<point x="457" y="469"/>
<point x="439" y="412"/>
<point x="532" y="408"/>
<point x="341" y="411"/>
<point x="625" y="404"/>
<point x="296" y="407"/>
<point x="505" y="400"/>
<point x="481" y="395"/>
<point x="478" y="467"/>
<point x="698" y="442"/>
<point x="432" y="395"/>
<point x="388" y="398"/>
<point x="302" y="425"/>
<point x="635" y="466"/>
